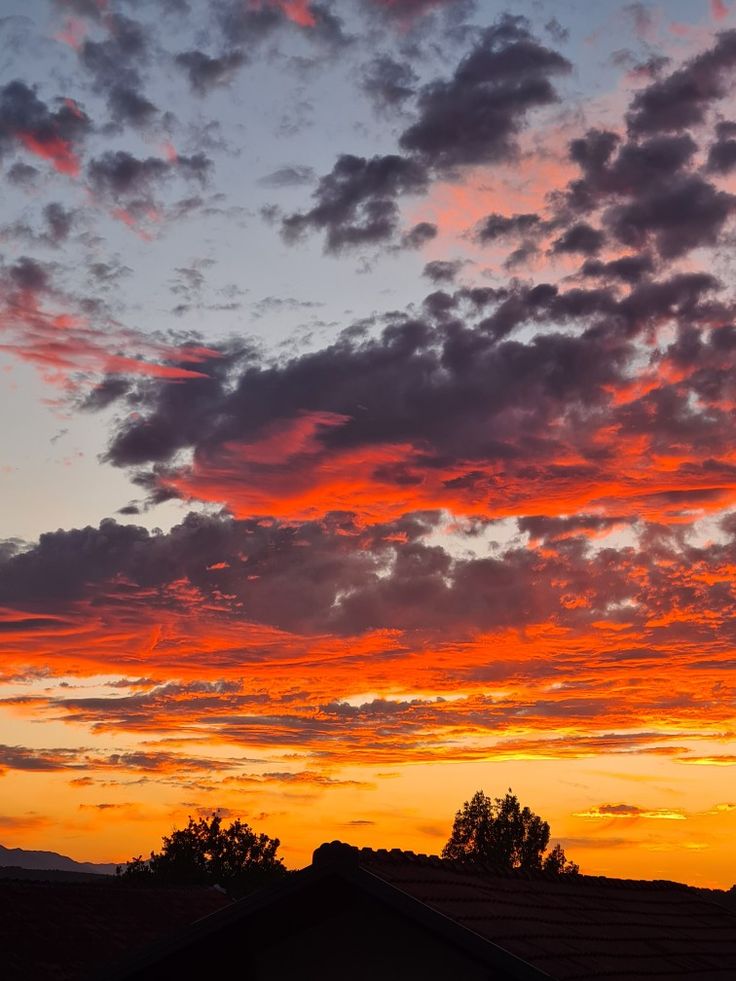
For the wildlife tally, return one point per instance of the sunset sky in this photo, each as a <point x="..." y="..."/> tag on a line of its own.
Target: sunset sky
<point x="367" y="372"/>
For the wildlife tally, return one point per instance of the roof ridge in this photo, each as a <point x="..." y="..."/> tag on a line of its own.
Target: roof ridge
<point x="343" y="853"/>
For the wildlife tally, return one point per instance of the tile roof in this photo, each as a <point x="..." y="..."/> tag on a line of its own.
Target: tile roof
<point x="61" y="931"/>
<point x="575" y="928"/>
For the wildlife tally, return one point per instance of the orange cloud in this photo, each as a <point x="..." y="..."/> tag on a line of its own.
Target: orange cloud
<point x="287" y="474"/>
<point x="60" y="343"/>
<point x="72" y="33"/>
<point x="52" y="148"/>
<point x="297" y="11"/>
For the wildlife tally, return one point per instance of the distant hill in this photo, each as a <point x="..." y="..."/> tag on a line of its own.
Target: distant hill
<point x="16" y="874"/>
<point x="23" y="859"/>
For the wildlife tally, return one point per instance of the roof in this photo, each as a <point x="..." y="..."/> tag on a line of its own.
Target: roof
<point x="59" y="931"/>
<point x="570" y="928"/>
<point x="523" y="927"/>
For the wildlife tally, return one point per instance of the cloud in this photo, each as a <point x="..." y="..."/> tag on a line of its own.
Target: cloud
<point x="22" y="758"/>
<point x="652" y="195"/>
<point x="95" y="10"/>
<point x="419" y="235"/>
<point x="252" y="24"/>
<point x="119" y="174"/>
<point x="473" y="118"/>
<point x="115" y="65"/>
<point x="129" y="185"/>
<point x="293" y="176"/>
<point x="388" y="83"/>
<point x="719" y="759"/>
<point x="685" y="215"/>
<point x="22" y="174"/>
<point x="406" y="12"/>
<point x="42" y="325"/>
<point x="476" y="116"/>
<point x="52" y="135"/>
<point x="442" y="271"/>
<point x="682" y="98"/>
<point x="627" y="269"/>
<point x="495" y="226"/>
<point x="580" y="238"/>
<point x="452" y="410"/>
<point x="59" y="221"/>
<point x="356" y="202"/>
<point x="80" y="758"/>
<point x="338" y="576"/>
<point x="722" y="153"/>
<point x="205" y="72"/>
<point x="629" y="811"/>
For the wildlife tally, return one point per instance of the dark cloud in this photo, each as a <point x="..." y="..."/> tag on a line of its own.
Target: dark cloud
<point x="206" y="72"/>
<point x="442" y="271"/>
<point x="419" y="235"/>
<point x="407" y="11"/>
<point x="115" y="65"/>
<point x="556" y="31"/>
<point x="327" y="29"/>
<point x="722" y="153"/>
<point x="342" y="576"/>
<point x="611" y="167"/>
<point x="22" y="174"/>
<point x="105" y="274"/>
<point x="293" y="176"/>
<point x="250" y="25"/>
<point x="356" y="202"/>
<point x="318" y="576"/>
<point x="580" y="238"/>
<point x="653" y="196"/>
<point x="59" y="222"/>
<point x="628" y="269"/>
<point x="92" y="9"/>
<point x="35" y="760"/>
<point x="127" y="106"/>
<point x="401" y="8"/>
<point x="26" y="120"/>
<point x="411" y="383"/>
<point x="678" y="216"/>
<point x="120" y="175"/>
<point x="388" y="83"/>
<point x="110" y="390"/>
<point x="682" y="98"/>
<point x="29" y="275"/>
<point x="477" y="115"/>
<point x="543" y="528"/>
<point x="32" y="624"/>
<point x="495" y="226"/>
<point x="56" y="223"/>
<point x="451" y="387"/>
<point x="26" y="758"/>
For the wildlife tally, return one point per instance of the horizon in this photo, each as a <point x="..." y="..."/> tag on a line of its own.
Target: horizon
<point x="366" y="370"/>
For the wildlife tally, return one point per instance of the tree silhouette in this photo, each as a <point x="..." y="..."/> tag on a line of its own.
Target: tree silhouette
<point x="206" y="853"/>
<point x="506" y="836"/>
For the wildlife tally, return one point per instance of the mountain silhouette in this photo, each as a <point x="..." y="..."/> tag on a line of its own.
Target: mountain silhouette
<point x="25" y="859"/>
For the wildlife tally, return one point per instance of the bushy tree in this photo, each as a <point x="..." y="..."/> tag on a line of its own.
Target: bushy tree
<point x="506" y="835"/>
<point x="206" y="853"/>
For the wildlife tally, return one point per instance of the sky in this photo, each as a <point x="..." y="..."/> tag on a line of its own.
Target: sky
<point x="367" y="398"/>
